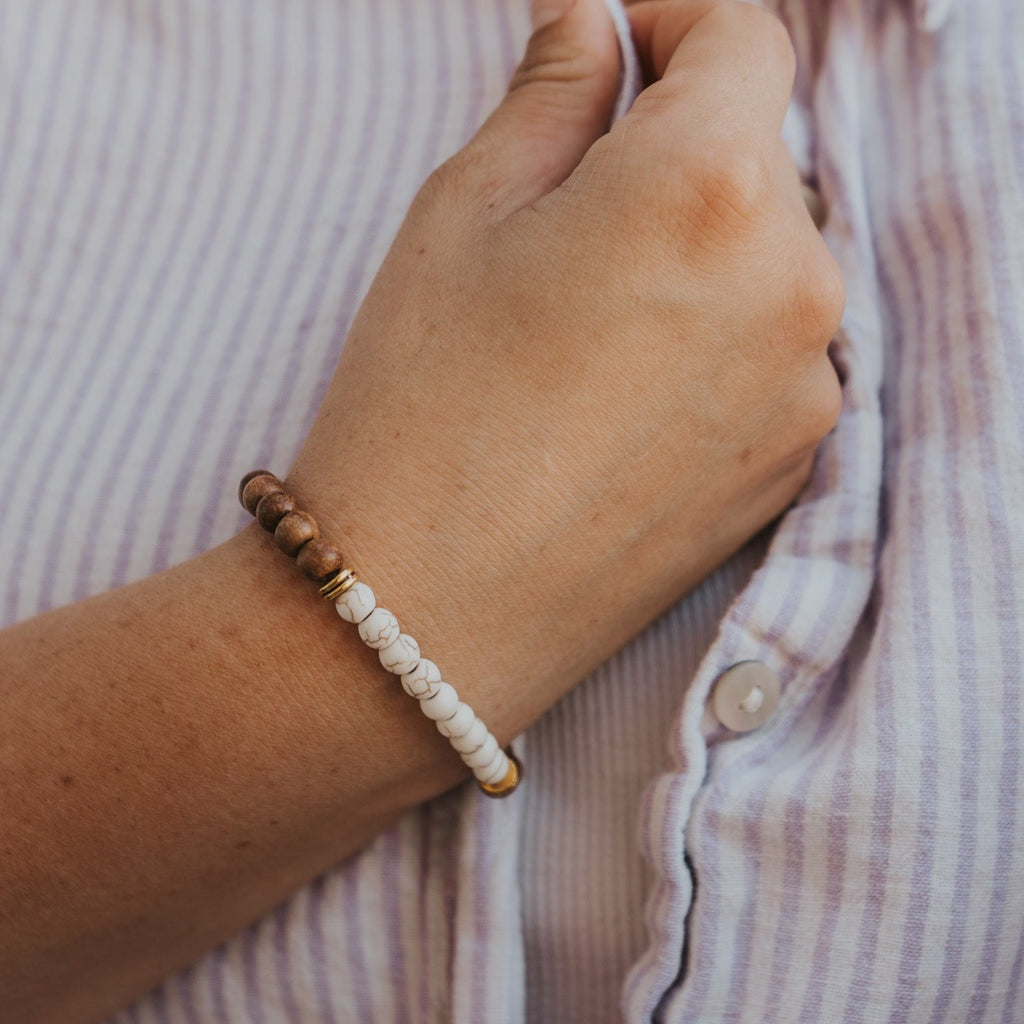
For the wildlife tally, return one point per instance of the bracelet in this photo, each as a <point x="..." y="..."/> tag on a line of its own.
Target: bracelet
<point x="297" y="534"/>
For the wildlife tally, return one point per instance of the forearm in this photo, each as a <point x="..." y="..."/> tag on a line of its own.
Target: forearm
<point x="176" y="757"/>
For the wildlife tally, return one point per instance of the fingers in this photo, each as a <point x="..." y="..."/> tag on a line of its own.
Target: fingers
<point x="659" y="26"/>
<point x="559" y="101"/>
<point x="725" y="62"/>
<point x="694" y="164"/>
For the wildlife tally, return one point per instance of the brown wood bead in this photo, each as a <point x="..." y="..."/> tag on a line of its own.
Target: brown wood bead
<point x="257" y="488"/>
<point x="296" y="529"/>
<point x="251" y="476"/>
<point x="318" y="560"/>
<point x="273" y="508"/>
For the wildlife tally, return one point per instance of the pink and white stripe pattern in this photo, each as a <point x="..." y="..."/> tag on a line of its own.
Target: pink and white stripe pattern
<point x="194" y="198"/>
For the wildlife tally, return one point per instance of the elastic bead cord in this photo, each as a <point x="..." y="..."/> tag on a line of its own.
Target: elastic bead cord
<point x="297" y="534"/>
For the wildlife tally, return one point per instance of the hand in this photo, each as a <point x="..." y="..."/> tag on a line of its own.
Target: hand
<point x="593" y="364"/>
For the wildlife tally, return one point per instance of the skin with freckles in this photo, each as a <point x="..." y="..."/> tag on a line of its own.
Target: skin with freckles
<point x="591" y="367"/>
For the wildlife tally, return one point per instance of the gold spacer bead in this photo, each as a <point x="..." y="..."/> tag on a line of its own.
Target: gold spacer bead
<point x="341" y="581"/>
<point x="512" y="778"/>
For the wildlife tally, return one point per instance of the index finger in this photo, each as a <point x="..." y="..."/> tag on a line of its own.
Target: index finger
<point x="712" y="61"/>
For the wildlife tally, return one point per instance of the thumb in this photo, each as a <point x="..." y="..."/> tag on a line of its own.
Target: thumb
<point x="559" y="102"/>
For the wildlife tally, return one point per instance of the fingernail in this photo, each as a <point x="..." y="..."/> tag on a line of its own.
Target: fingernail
<point x="543" y="12"/>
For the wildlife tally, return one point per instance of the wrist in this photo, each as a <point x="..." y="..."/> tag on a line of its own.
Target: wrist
<point x="297" y="533"/>
<point x="448" y="582"/>
<point x="360" y="740"/>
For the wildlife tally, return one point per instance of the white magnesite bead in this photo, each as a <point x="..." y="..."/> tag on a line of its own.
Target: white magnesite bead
<point x="442" y="705"/>
<point x="379" y="629"/>
<point x="401" y="656"/>
<point x="484" y="756"/>
<point x="472" y="740"/>
<point x="459" y="723"/>
<point x="493" y="773"/>
<point x="356" y="603"/>
<point x="422" y="681"/>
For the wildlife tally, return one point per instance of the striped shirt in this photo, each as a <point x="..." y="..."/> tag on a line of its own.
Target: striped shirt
<point x="193" y="200"/>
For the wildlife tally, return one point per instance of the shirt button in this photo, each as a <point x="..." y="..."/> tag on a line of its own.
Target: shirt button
<point x="745" y="696"/>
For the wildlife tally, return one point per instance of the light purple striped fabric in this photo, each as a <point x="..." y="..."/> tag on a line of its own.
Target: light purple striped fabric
<point x="194" y="198"/>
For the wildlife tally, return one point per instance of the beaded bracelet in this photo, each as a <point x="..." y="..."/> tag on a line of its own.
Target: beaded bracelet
<point x="297" y="534"/>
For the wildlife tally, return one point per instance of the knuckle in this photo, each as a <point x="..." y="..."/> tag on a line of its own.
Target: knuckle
<point x="439" y="184"/>
<point x="826" y="403"/>
<point x="798" y="473"/>
<point x="818" y="400"/>
<point x="729" y="191"/>
<point x="462" y="182"/>
<point x="810" y="410"/>
<point x="817" y="296"/>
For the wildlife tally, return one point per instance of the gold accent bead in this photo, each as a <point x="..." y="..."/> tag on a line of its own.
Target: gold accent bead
<point x="512" y="778"/>
<point x="341" y="581"/>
